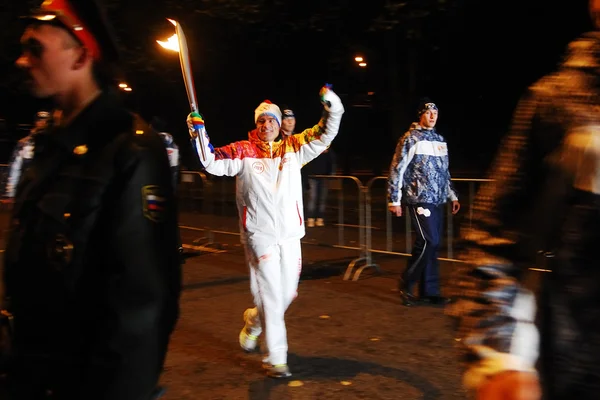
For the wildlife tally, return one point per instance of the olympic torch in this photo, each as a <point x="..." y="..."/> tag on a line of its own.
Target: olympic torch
<point x="178" y="43"/>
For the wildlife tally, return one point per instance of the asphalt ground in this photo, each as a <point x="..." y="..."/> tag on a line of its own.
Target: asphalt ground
<point x="347" y="339"/>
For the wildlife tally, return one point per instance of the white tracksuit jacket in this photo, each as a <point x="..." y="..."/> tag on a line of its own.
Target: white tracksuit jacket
<point x="269" y="183"/>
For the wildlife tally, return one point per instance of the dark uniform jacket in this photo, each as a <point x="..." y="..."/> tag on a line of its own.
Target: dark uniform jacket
<point x="92" y="269"/>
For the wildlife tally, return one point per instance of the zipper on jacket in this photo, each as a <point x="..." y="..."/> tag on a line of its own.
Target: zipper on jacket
<point x="299" y="215"/>
<point x="273" y="182"/>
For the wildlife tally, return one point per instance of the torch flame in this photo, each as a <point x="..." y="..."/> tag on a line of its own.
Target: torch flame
<point x="172" y="43"/>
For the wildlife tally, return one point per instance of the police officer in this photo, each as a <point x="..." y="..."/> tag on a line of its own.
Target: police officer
<point x="92" y="270"/>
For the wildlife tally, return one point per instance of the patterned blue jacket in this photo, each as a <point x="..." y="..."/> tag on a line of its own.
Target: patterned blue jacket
<point x="419" y="169"/>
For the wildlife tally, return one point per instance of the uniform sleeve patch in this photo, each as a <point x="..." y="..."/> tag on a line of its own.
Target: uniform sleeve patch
<point x="153" y="203"/>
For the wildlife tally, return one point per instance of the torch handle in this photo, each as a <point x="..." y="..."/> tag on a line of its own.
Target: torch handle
<point x="186" y="70"/>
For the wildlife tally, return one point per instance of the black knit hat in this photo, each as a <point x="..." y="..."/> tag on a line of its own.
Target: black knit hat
<point x="287" y="112"/>
<point x="425" y="104"/>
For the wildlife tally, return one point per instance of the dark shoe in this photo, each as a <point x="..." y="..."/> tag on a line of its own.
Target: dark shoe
<point x="408" y="299"/>
<point x="436" y="300"/>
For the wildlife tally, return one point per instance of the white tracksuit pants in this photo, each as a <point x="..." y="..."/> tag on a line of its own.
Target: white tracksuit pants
<point x="274" y="274"/>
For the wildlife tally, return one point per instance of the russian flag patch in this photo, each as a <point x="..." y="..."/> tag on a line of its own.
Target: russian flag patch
<point x="153" y="203"/>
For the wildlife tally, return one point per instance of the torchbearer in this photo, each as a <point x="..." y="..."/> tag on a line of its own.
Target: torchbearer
<point x="269" y="200"/>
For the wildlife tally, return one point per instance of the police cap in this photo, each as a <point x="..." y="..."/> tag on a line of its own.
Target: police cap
<point x="86" y="20"/>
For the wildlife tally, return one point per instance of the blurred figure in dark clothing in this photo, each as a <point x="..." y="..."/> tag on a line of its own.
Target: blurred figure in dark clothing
<point x="316" y="193"/>
<point x="544" y="204"/>
<point x="316" y="201"/>
<point x="159" y="125"/>
<point x="22" y="154"/>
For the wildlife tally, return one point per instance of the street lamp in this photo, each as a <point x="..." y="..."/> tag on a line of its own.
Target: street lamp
<point x="125" y="87"/>
<point x="360" y="61"/>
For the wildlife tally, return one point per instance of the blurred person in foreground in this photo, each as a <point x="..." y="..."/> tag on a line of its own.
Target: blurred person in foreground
<point x="545" y="202"/>
<point x="23" y="154"/>
<point x="420" y="178"/>
<point x="92" y="271"/>
<point x="269" y="198"/>
<point x="159" y="125"/>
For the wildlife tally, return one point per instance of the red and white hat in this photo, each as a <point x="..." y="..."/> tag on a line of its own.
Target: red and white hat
<point x="268" y="108"/>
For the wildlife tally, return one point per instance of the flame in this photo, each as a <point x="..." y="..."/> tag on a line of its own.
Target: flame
<point x="172" y="43"/>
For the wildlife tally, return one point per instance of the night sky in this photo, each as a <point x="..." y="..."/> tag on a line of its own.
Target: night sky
<point x="474" y="61"/>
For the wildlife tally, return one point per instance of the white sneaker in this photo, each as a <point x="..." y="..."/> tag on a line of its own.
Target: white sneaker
<point x="310" y="222"/>
<point x="320" y="222"/>
<point x="280" y="371"/>
<point x="251" y="330"/>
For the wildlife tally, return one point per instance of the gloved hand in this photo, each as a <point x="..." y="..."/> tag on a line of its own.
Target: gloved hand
<point x="195" y="124"/>
<point x="330" y="100"/>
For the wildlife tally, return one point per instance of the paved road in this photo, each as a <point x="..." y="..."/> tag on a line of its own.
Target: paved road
<point x="348" y="340"/>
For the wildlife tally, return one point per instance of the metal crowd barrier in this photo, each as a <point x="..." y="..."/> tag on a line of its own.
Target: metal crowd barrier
<point x="217" y="198"/>
<point x="389" y="233"/>
<point x="364" y="256"/>
<point x="196" y="199"/>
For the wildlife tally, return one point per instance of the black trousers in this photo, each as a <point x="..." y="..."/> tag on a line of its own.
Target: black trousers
<point x="423" y="265"/>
